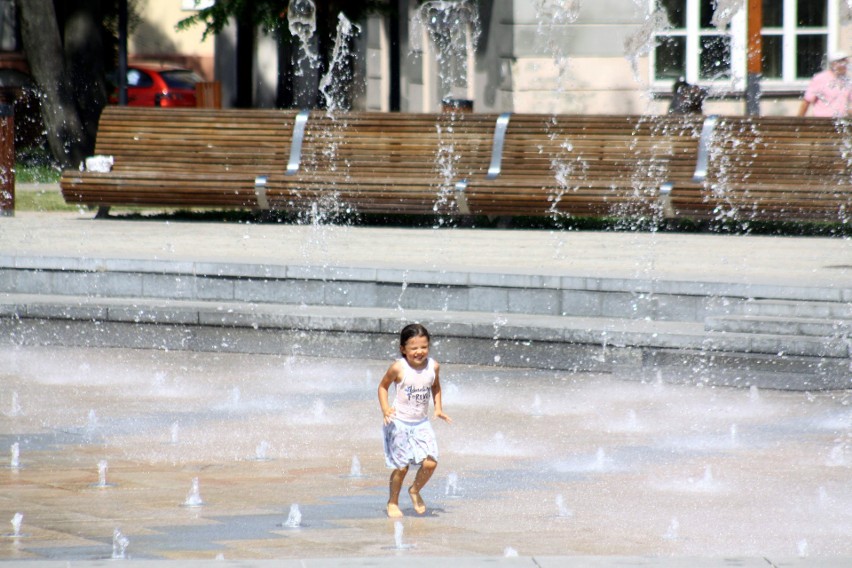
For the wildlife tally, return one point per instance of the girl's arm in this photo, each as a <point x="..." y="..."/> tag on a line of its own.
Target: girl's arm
<point x="391" y="376"/>
<point x="436" y="396"/>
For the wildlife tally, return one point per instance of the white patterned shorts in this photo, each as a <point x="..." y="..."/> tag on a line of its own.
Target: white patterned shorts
<point x="409" y="443"/>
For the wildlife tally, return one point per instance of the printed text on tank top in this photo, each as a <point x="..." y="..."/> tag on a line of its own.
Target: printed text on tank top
<point x="414" y="392"/>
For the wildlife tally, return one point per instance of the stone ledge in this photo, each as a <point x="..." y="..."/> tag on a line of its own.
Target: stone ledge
<point x="422" y="277"/>
<point x="592" y="333"/>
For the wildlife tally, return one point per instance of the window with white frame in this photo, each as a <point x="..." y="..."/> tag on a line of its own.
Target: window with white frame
<point x="795" y="37"/>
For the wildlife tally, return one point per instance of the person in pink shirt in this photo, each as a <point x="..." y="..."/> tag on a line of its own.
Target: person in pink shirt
<point x="829" y="93"/>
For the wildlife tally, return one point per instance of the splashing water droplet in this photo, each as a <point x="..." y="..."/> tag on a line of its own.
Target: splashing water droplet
<point x="193" y="498"/>
<point x="302" y="23"/>
<point x="119" y="545"/>
<point x="355" y="469"/>
<point x="673" y="531"/>
<point x="17" y="521"/>
<point x="294" y="518"/>
<point x="15" y="452"/>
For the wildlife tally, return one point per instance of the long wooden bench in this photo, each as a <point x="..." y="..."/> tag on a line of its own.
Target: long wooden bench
<point x="384" y="162"/>
<point x="778" y="168"/>
<point x="590" y="165"/>
<point x="182" y="157"/>
<point x="282" y="160"/>
<point x="519" y="164"/>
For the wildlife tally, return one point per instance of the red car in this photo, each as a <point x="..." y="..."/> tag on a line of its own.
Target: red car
<point x="159" y="85"/>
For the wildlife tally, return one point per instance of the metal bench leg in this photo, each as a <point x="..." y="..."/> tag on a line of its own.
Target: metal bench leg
<point x="461" y="198"/>
<point x="497" y="145"/>
<point x="103" y="212"/>
<point x="702" y="162"/>
<point x="665" y="200"/>
<point x="260" y="192"/>
<point x="296" y="143"/>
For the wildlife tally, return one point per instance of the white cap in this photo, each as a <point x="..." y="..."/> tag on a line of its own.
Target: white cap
<point x="837" y="55"/>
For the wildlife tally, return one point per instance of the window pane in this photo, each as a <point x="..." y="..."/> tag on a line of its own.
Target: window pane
<point x="715" y="57"/>
<point x="773" y="14"/>
<point x="810" y="53"/>
<point x="676" y="10"/>
<point x="670" y="58"/>
<point x="812" y="13"/>
<point x="707" y="8"/>
<point x="180" y="79"/>
<point x="771" y="63"/>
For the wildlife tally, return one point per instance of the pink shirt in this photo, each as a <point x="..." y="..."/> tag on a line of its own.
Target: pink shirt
<point x="829" y="95"/>
<point x="414" y="392"/>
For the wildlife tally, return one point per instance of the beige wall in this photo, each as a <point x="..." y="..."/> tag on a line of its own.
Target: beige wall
<point x="512" y="73"/>
<point x="155" y="37"/>
<point x="607" y="85"/>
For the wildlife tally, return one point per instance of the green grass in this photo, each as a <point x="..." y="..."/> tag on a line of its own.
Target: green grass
<point x="36" y="165"/>
<point x="25" y="173"/>
<point x="41" y="201"/>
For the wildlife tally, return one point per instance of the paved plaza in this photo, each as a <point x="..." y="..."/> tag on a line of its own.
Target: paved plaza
<point x="662" y="256"/>
<point x="539" y="468"/>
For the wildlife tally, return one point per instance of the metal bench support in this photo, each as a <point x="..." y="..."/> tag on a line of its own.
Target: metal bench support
<point x="666" y="200"/>
<point x="461" y="198"/>
<point x="497" y="145"/>
<point x="296" y="145"/>
<point x="703" y="158"/>
<point x="260" y="192"/>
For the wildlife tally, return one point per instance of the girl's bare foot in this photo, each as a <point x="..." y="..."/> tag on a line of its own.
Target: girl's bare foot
<point x="419" y="505"/>
<point x="394" y="511"/>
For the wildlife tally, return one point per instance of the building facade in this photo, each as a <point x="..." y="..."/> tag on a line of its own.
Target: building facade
<point x="559" y="56"/>
<point x="613" y="56"/>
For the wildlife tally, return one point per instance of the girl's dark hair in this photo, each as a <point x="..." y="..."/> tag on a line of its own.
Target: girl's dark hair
<point x="412" y="330"/>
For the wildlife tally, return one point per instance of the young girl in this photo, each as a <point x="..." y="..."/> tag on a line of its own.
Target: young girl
<point x="408" y="434"/>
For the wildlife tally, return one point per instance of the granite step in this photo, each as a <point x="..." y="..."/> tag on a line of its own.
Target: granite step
<point x="782" y="325"/>
<point x="798" y="309"/>
<point x="592" y="334"/>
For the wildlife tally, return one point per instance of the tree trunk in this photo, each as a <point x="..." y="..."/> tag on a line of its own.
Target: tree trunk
<point x="84" y="62"/>
<point x="245" y="63"/>
<point x="66" y="136"/>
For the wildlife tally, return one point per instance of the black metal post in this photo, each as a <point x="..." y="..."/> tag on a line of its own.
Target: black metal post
<point x="122" y="52"/>
<point x="395" y="95"/>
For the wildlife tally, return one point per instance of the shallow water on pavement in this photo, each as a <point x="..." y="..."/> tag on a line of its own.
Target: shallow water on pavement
<point x="540" y="462"/>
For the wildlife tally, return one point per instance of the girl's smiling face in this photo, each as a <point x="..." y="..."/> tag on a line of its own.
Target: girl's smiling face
<point x="416" y="351"/>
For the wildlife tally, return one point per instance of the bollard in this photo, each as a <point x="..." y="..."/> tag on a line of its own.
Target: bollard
<point x="7" y="160"/>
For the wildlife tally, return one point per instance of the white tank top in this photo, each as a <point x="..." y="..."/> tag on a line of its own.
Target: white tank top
<point x="414" y="391"/>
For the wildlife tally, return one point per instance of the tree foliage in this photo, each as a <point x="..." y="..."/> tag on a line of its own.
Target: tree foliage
<point x="271" y="15"/>
<point x="71" y="46"/>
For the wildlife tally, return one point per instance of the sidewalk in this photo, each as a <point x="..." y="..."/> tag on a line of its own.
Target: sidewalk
<point x="795" y="261"/>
